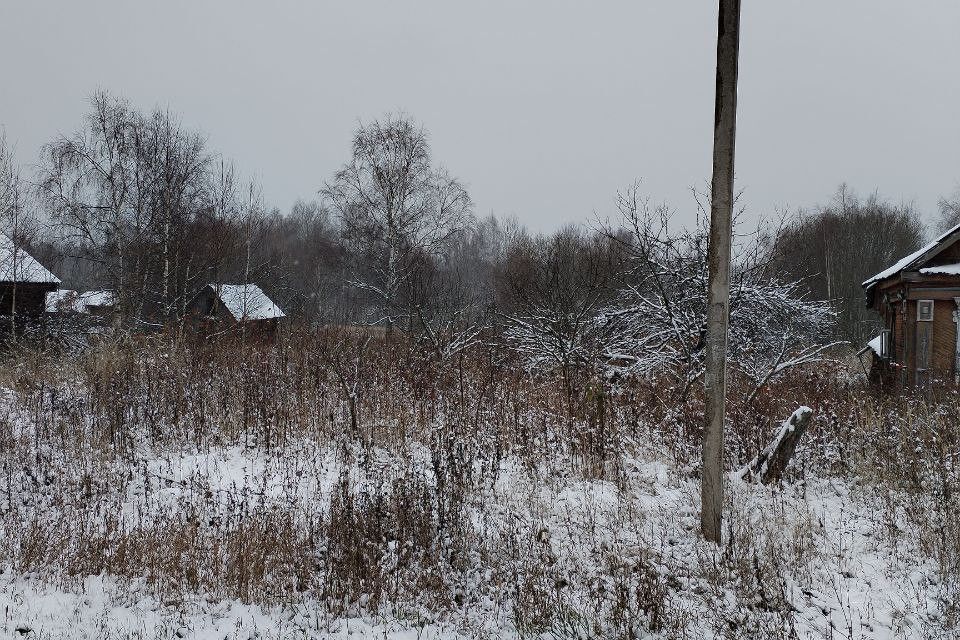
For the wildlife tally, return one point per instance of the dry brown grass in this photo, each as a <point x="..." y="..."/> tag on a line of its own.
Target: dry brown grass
<point x="76" y="439"/>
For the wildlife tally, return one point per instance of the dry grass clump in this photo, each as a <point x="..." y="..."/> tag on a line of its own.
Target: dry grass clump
<point x="390" y="546"/>
<point x="265" y="557"/>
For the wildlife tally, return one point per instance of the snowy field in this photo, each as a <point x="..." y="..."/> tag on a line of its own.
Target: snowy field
<point x="327" y="535"/>
<point x="843" y="577"/>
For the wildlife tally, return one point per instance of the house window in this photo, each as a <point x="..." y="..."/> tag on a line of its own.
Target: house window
<point x="925" y="310"/>
<point x="885" y="352"/>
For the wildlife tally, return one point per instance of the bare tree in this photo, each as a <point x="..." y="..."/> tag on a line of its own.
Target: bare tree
<point x="833" y="248"/>
<point x="303" y="248"/>
<point x="553" y="290"/>
<point x="144" y="199"/>
<point x="657" y="324"/>
<point x="13" y="219"/>
<point x="172" y="171"/>
<point x="395" y="208"/>
<point x="950" y="210"/>
<point x="89" y="181"/>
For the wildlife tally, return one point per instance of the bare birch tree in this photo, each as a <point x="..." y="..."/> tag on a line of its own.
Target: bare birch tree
<point x="89" y="183"/>
<point x="145" y="199"/>
<point x="12" y="219"/>
<point x="395" y="209"/>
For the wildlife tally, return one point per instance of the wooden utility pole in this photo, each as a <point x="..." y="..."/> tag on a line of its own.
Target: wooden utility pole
<point x="718" y="298"/>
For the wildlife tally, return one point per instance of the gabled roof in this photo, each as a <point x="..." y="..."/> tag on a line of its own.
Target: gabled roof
<point x="16" y="265"/>
<point x="917" y="258"/>
<point x="246" y="302"/>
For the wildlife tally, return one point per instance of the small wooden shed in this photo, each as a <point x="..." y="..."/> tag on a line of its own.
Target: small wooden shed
<point x="24" y="282"/>
<point x="231" y="308"/>
<point x="918" y="299"/>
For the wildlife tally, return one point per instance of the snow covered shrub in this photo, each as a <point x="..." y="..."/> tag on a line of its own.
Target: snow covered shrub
<point x="656" y="325"/>
<point x="553" y="290"/>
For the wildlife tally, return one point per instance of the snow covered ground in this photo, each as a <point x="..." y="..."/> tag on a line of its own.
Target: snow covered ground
<point x="100" y="608"/>
<point x="833" y="567"/>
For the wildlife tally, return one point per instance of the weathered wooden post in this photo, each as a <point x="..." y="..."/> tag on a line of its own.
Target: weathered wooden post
<point x="769" y="465"/>
<point x="718" y="298"/>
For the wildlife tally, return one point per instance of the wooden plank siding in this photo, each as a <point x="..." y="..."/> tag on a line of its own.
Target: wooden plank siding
<point x="944" y="339"/>
<point x="942" y="352"/>
<point x="899" y="316"/>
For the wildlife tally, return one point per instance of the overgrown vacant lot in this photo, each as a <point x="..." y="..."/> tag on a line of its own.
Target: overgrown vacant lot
<point x="331" y="485"/>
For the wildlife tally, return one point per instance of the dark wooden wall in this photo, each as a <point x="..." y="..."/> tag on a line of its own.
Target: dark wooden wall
<point x="28" y="298"/>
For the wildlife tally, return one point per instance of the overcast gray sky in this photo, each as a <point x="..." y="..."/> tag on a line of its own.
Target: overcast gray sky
<point x="543" y="108"/>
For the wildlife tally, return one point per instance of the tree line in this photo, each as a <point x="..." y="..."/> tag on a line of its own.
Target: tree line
<point x="140" y="204"/>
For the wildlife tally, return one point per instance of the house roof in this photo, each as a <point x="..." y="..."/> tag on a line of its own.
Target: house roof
<point x="16" y="265"/>
<point x="246" y="302"/>
<point x="943" y="269"/>
<point x="918" y="258"/>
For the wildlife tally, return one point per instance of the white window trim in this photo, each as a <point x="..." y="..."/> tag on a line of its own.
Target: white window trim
<point x="885" y="336"/>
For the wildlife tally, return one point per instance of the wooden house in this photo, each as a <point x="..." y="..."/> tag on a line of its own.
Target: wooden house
<point x="918" y="300"/>
<point x="234" y="308"/>
<point x="24" y="282"/>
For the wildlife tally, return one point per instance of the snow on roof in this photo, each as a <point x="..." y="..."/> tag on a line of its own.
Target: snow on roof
<point x="876" y="344"/>
<point x="67" y="300"/>
<point x="944" y="269"/>
<point x="62" y="301"/>
<point x="246" y="302"/>
<point x="16" y="265"/>
<point x="910" y="260"/>
<point x="104" y="298"/>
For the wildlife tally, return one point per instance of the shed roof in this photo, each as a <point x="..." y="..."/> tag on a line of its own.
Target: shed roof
<point x="68" y="300"/>
<point x="63" y="301"/>
<point x="16" y="265"/>
<point x="246" y="302"/>
<point x="105" y="298"/>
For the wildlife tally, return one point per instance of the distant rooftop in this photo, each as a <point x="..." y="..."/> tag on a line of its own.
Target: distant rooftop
<point x="246" y="302"/>
<point x="67" y="300"/>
